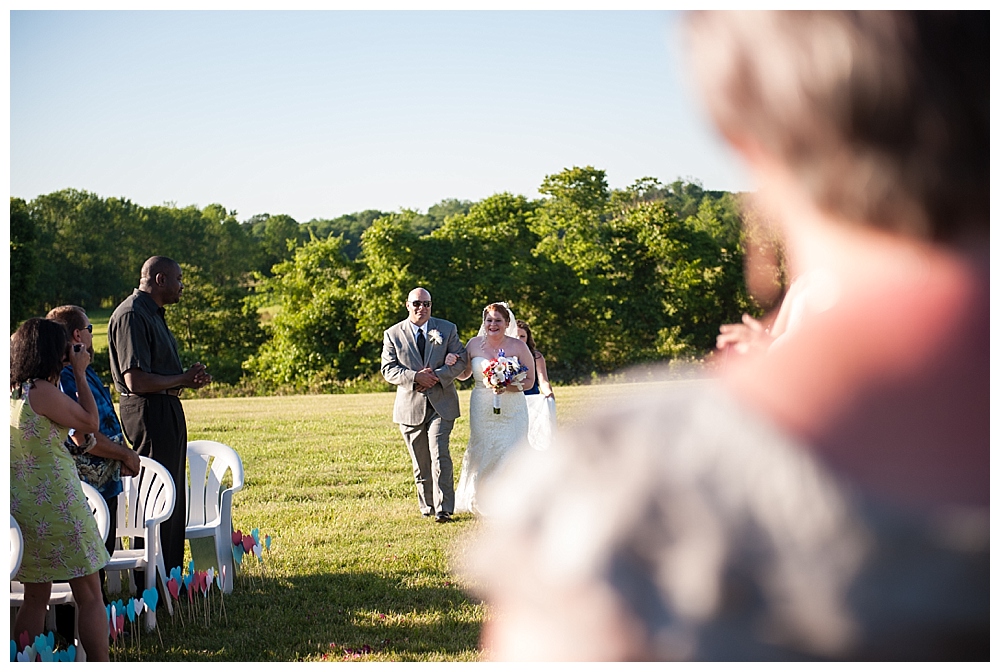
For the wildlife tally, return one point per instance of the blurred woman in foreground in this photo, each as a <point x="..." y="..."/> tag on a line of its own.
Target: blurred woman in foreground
<point x="830" y="499"/>
<point x="61" y="539"/>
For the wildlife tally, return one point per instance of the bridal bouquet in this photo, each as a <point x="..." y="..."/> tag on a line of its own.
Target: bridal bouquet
<point x="501" y="372"/>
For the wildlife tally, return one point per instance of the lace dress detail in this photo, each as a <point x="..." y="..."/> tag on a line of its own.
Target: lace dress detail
<point x="491" y="438"/>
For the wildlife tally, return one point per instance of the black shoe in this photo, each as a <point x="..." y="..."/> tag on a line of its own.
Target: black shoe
<point x="428" y="514"/>
<point x="443" y="517"/>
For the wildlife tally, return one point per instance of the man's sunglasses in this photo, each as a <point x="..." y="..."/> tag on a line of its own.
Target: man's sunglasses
<point x="90" y="328"/>
<point x="417" y="304"/>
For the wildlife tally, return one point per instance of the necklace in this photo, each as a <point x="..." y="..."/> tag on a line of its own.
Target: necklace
<point x="489" y="347"/>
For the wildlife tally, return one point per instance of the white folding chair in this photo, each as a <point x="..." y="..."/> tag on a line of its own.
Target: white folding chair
<point x="146" y="501"/>
<point x="61" y="591"/>
<point x="16" y="547"/>
<point x="210" y="504"/>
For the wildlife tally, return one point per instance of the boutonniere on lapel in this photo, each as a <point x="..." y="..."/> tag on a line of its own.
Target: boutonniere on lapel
<point x="435" y="336"/>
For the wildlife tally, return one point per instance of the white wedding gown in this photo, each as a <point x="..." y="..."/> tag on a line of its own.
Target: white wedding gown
<point x="491" y="438"/>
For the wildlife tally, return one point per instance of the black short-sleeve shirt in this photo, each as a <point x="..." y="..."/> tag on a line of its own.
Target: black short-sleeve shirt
<point x="138" y="338"/>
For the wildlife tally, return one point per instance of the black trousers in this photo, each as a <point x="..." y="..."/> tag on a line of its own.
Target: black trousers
<point x="156" y="428"/>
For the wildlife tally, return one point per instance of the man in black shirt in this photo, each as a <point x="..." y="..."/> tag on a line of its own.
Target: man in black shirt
<point x="146" y="370"/>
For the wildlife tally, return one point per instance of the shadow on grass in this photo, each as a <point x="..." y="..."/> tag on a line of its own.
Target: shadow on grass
<point x="320" y="616"/>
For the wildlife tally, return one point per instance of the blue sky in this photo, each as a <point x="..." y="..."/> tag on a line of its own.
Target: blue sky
<point x="317" y="114"/>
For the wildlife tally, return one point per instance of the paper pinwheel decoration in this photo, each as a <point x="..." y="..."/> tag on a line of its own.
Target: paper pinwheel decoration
<point x="41" y="650"/>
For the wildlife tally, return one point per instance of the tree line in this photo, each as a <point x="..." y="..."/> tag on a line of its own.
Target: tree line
<point x="606" y="278"/>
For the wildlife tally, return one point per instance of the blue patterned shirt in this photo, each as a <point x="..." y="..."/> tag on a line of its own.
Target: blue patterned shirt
<point x="89" y="465"/>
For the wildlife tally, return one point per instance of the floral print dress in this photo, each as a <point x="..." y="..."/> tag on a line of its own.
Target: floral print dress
<point x="61" y="539"/>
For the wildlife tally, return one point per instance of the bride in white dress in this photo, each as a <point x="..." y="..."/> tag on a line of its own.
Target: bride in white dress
<point x="492" y="436"/>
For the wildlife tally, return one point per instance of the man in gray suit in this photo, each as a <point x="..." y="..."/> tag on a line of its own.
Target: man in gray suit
<point x="413" y="353"/>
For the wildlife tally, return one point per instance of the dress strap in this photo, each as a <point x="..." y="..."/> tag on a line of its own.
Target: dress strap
<point x="22" y="392"/>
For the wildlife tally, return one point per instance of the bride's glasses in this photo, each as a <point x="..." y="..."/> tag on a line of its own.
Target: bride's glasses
<point x="417" y="304"/>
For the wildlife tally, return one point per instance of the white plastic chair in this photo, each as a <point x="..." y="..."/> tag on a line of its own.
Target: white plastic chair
<point x="99" y="508"/>
<point x="61" y="591"/>
<point x="16" y="547"/>
<point x="210" y="504"/>
<point x="146" y="501"/>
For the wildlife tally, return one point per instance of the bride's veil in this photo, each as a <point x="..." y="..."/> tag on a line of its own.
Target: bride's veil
<point x="511" y="328"/>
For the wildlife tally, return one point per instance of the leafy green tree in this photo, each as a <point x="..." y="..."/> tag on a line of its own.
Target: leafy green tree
<point x="704" y="286"/>
<point x="680" y="197"/>
<point x="487" y="256"/>
<point x="636" y="285"/>
<point x="437" y="214"/>
<point x="657" y="268"/>
<point x="440" y="212"/>
<point x="253" y="225"/>
<point x="388" y="248"/>
<point x="214" y="324"/>
<point x="351" y="227"/>
<point x="82" y="235"/>
<point x="606" y="278"/>
<point x="178" y="233"/>
<point x="278" y="236"/>
<point x="314" y="335"/>
<point x="570" y="222"/>
<point x="23" y="262"/>
<point x="227" y="250"/>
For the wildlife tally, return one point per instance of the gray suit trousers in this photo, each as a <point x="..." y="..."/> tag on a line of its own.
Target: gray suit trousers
<point x="433" y="472"/>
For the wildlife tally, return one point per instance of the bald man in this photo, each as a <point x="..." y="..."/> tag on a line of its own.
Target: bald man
<point x="146" y="370"/>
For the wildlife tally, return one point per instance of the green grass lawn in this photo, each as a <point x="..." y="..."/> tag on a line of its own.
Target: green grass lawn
<point x="352" y="562"/>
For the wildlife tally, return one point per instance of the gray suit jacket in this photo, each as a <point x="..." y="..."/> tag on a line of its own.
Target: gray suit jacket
<point x="401" y="361"/>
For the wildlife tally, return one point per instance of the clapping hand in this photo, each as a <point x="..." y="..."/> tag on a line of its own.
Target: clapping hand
<point x="743" y="338"/>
